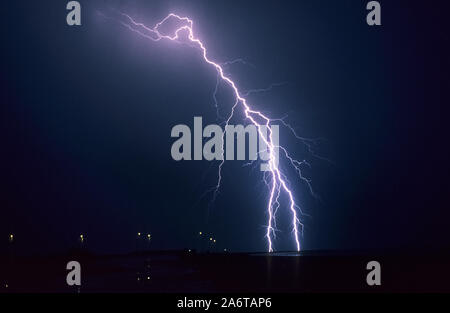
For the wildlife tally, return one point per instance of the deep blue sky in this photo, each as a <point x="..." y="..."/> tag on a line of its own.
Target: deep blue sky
<point x="87" y="111"/>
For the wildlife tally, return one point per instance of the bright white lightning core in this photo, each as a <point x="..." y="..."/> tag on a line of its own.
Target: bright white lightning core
<point x="275" y="179"/>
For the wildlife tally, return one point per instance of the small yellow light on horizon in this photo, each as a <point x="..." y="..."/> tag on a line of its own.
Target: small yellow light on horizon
<point x="149" y="236"/>
<point x="11" y="237"/>
<point x="210" y="239"/>
<point x="200" y="233"/>
<point x="139" y="234"/>
<point x="214" y="240"/>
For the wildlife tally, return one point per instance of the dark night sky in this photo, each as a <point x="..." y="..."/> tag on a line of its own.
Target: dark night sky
<point x="86" y="114"/>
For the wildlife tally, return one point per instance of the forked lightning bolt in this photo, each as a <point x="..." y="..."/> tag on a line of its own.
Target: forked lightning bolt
<point x="275" y="179"/>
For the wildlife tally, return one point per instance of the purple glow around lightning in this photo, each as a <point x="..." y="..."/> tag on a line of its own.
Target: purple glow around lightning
<point x="278" y="183"/>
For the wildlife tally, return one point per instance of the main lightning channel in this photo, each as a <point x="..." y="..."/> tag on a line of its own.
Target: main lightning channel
<point x="278" y="182"/>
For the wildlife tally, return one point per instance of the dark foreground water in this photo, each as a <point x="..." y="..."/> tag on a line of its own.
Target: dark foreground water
<point x="185" y="271"/>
